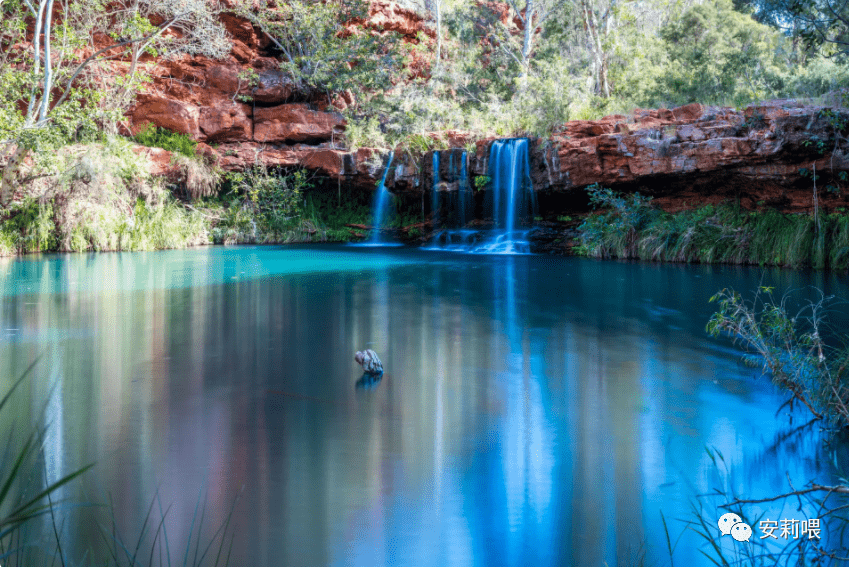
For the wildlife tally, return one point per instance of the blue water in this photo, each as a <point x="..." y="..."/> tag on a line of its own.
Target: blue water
<point x="534" y="410"/>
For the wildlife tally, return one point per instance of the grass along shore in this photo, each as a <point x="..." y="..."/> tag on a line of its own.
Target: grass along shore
<point x="628" y="226"/>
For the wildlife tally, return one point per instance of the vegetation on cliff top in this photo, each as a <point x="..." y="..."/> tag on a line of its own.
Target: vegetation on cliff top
<point x="582" y="60"/>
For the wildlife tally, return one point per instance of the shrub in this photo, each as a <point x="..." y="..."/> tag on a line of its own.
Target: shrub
<point x="629" y="227"/>
<point x="797" y="350"/>
<point x="155" y="137"/>
<point x="264" y="207"/>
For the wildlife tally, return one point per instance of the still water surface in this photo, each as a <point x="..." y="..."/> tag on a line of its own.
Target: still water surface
<point x="534" y="411"/>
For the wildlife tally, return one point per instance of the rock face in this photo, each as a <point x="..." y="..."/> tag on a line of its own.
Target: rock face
<point x="688" y="156"/>
<point x="764" y="154"/>
<point x="268" y="120"/>
<point x="290" y="123"/>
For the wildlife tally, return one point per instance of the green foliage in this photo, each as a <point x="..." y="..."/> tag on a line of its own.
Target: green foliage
<point x="28" y="228"/>
<point x="101" y="200"/>
<point x="23" y="496"/>
<point x="249" y="78"/>
<point x="629" y="227"/>
<point x="317" y="55"/>
<point x="481" y="181"/>
<point x="155" y="137"/>
<point x="614" y="231"/>
<point x="719" y="55"/>
<point x="817" y="144"/>
<point x="161" y="227"/>
<point x="263" y="207"/>
<point x="333" y="212"/>
<point x="798" y="350"/>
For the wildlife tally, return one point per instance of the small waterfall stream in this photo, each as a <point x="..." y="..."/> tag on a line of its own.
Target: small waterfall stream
<point x="381" y="204"/>
<point x="464" y="206"/>
<point x="434" y="193"/>
<point x="511" y="194"/>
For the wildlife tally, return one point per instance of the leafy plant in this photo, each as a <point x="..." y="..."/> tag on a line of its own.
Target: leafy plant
<point x="816" y="143"/>
<point x="316" y="55"/>
<point x="155" y="137"/>
<point x="263" y="207"/>
<point x="250" y="79"/>
<point x="481" y="182"/>
<point x="800" y="351"/>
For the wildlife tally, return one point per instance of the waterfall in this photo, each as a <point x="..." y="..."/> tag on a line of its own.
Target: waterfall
<point x="510" y="199"/>
<point x="434" y="194"/>
<point x="510" y="174"/>
<point x="381" y="203"/>
<point x="464" y="211"/>
<point x="511" y="195"/>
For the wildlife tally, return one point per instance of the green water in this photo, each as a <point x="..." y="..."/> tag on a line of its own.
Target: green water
<point x="534" y="411"/>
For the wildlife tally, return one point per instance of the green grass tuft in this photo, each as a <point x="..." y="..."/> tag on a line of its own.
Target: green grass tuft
<point x="155" y="137"/>
<point x="630" y="227"/>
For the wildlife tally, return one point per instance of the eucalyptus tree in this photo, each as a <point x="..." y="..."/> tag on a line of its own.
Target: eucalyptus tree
<point x="52" y="60"/>
<point x="815" y="21"/>
<point x="599" y="20"/>
<point x="436" y="8"/>
<point x="720" y="55"/>
<point x="321" y="49"/>
<point x="532" y="14"/>
<point x="818" y="22"/>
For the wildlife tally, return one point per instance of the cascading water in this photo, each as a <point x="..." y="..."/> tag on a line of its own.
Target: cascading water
<point x="434" y="194"/>
<point x="510" y="199"/>
<point x="465" y="194"/>
<point x="381" y="203"/>
<point x="511" y="195"/>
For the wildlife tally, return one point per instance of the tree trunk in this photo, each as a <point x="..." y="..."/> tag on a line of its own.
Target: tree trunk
<point x="39" y="17"/>
<point x="438" y="5"/>
<point x="48" y="65"/>
<point x="527" y="36"/>
<point x="599" y="57"/>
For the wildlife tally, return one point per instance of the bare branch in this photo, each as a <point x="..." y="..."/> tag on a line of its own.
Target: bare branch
<point x="94" y="55"/>
<point x="839" y="489"/>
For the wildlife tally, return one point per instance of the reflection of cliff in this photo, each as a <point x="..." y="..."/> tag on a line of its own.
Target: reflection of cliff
<point x="524" y="417"/>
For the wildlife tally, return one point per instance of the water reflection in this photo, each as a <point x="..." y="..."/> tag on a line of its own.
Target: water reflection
<point x="533" y="411"/>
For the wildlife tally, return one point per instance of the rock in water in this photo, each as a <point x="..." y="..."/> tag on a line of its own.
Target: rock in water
<point x="369" y="361"/>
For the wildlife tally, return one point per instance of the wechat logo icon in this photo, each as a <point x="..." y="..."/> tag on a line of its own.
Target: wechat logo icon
<point x="733" y="525"/>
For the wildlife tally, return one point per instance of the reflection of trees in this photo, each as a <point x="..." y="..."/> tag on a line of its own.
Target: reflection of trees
<point x="505" y="428"/>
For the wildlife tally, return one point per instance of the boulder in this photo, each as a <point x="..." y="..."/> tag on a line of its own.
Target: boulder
<point x="228" y="122"/>
<point x="174" y="115"/>
<point x="369" y="361"/>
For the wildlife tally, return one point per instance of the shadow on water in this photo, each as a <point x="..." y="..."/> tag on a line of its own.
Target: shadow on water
<point x="368" y="381"/>
<point x="537" y="411"/>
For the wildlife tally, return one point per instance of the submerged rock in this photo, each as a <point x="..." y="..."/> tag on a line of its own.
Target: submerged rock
<point x="369" y="361"/>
